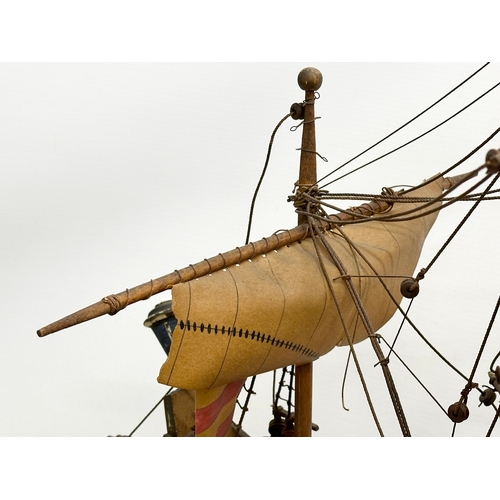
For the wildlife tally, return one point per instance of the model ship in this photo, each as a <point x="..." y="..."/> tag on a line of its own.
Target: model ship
<point x="286" y="300"/>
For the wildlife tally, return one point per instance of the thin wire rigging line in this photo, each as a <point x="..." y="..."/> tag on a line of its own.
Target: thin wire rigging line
<point x="412" y="373"/>
<point x="481" y="349"/>
<point x="151" y="411"/>
<point x="249" y="227"/>
<point x="252" y="206"/>
<point x="412" y="140"/>
<point x="407" y="123"/>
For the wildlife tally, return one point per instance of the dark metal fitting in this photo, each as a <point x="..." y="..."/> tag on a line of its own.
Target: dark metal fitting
<point x="458" y="412"/>
<point x="277" y="427"/>
<point x="487" y="397"/>
<point x="495" y="378"/>
<point x="297" y="111"/>
<point x="409" y="288"/>
<point x="493" y="159"/>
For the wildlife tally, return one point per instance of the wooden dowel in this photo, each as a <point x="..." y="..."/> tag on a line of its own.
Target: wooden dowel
<point x="150" y="288"/>
<point x="303" y="400"/>
<point x="309" y="80"/>
<point x="114" y="303"/>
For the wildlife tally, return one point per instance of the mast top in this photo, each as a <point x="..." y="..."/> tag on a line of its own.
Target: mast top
<point x="310" y="79"/>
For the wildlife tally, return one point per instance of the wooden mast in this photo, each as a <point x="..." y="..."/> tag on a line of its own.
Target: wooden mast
<point x="310" y="80"/>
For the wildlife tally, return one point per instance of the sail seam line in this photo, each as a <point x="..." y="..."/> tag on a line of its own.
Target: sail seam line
<point x="245" y="333"/>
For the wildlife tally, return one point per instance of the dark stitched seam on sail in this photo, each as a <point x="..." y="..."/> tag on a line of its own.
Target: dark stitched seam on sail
<point x="257" y="336"/>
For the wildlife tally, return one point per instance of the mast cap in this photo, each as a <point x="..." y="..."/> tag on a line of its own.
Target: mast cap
<point x="310" y="79"/>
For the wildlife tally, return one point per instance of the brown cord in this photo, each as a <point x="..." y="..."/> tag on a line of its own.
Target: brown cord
<point x="223" y="260"/>
<point x="113" y="303"/>
<point x="366" y="322"/>
<point x="194" y="270"/>
<point x="241" y="255"/>
<point x="313" y="228"/>
<point x="252" y="206"/>
<point x="150" y="292"/>
<point x="254" y="251"/>
<point x="267" y="245"/>
<point x="209" y="266"/>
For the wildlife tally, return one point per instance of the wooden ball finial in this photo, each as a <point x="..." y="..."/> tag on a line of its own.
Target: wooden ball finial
<point x="310" y="79"/>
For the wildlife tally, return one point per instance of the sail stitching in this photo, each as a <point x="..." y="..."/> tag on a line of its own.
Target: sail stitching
<point x="245" y="333"/>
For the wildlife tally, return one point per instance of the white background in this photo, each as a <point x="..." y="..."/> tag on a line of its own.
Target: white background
<point x="73" y="229"/>
<point x="119" y="173"/>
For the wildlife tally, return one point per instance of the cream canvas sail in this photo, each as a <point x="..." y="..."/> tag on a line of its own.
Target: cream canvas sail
<point x="277" y="309"/>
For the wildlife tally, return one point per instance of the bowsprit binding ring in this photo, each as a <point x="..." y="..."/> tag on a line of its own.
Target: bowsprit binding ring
<point x="241" y="255"/>
<point x="150" y="292"/>
<point x="194" y="271"/>
<point x="254" y="251"/>
<point x="223" y="260"/>
<point x="267" y="245"/>
<point x="114" y="303"/>
<point x="209" y="266"/>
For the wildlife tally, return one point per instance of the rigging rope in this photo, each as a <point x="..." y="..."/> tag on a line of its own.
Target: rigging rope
<point x="478" y="197"/>
<point x="413" y="374"/>
<point x="151" y="411"/>
<point x="358" y="218"/>
<point x="493" y="423"/>
<point x="316" y="216"/>
<point x="406" y="318"/>
<point x="461" y="405"/>
<point x="493" y="362"/>
<point x="262" y="175"/>
<point x="412" y="140"/>
<point x="459" y="162"/>
<point x="362" y="314"/>
<point x="388" y="198"/>
<point x="313" y="227"/>
<point x="468" y="386"/>
<point x="357" y="250"/>
<point x="422" y="273"/>
<point x="277" y="393"/>
<point x="371" y="335"/>
<point x="244" y="408"/>
<point x="407" y="123"/>
<point x="400" y="328"/>
<point x="250" y="218"/>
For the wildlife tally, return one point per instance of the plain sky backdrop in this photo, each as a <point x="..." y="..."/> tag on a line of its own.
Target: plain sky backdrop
<point x="118" y="173"/>
<point x="113" y="174"/>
